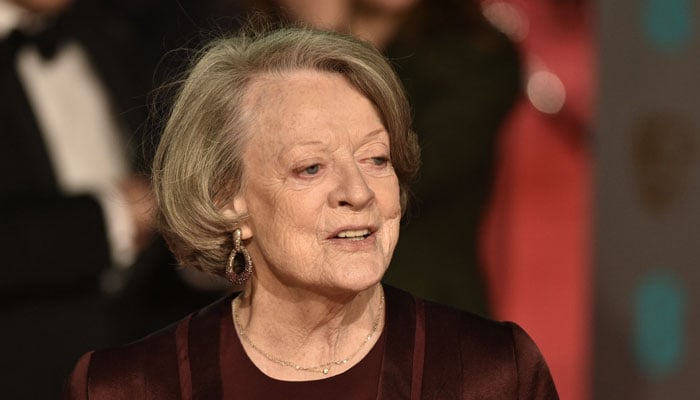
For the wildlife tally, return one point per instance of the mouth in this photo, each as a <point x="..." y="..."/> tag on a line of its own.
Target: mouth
<point x="354" y="234"/>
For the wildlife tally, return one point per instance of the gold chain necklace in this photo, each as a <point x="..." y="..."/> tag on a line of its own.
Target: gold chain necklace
<point x="321" y="368"/>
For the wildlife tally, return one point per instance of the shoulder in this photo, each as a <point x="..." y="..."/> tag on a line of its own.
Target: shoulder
<point x="468" y="355"/>
<point x="127" y="371"/>
<point x="155" y="364"/>
<point x="491" y="357"/>
<point x="474" y="335"/>
<point x="451" y="324"/>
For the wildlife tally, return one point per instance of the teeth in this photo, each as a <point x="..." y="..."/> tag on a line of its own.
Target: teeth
<point x="356" y="234"/>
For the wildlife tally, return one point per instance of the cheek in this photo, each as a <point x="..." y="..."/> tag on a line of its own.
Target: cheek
<point x="273" y="221"/>
<point x="265" y="209"/>
<point x="285" y="216"/>
<point x="389" y="197"/>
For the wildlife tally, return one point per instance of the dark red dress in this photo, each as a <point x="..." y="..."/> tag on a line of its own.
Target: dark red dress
<point x="242" y="379"/>
<point x="427" y="351"/>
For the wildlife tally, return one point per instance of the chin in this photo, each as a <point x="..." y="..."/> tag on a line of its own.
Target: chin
<point x="358" y="280"/>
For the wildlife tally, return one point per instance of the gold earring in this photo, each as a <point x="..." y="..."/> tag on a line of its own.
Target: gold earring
<point x="240" y="265"/>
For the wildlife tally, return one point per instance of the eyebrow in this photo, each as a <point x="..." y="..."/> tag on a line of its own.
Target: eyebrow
<point x="374" y="135"/>
<point x="376" y="132"/>
<point x="284" y="153"/>
<point x="369" y="135"/>
<point x="306" y="143"/>
<point x="286" y="149"/>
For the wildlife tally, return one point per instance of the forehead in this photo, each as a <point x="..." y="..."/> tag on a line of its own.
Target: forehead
<point x="307" y="103"/>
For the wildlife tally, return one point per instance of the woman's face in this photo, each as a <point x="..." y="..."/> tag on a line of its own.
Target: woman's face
<point x="322" y="195"/>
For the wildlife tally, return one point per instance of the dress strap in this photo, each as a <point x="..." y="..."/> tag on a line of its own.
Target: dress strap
<point x="404" y="355"/>
<point x="203" y="344"/>
<point x="418" y="350"/>
<point x="182" y="335"/>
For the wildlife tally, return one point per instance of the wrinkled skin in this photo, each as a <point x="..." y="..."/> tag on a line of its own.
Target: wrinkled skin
<point x="316" y="164"/>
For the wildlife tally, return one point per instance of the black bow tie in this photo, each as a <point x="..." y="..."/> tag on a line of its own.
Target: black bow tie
<point x="47" y="41"/>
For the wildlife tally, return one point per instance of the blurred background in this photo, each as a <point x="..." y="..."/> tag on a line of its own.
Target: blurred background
<point x="559" y="188"/>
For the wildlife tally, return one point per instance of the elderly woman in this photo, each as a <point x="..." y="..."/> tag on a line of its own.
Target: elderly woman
<point x="284" y="167"/>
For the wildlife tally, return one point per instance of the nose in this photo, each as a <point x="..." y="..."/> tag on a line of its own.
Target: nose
<point x="351" y="189"/>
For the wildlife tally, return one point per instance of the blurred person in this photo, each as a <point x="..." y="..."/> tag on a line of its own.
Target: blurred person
<point x="536" y="236"/>
<point x="462" y="77"/>
<point x="284" y="166"/>
<point x="76" y="206"/>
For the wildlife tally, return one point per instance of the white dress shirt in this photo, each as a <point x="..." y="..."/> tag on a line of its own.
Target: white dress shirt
<point x="82" y="136"/>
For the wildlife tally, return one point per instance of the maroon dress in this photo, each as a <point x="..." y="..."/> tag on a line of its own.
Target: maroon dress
<point x="426" y="351"/>
<point x="240" y="378"/>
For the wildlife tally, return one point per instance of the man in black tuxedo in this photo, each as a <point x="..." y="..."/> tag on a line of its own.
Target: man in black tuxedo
<point x="75" y="207"/>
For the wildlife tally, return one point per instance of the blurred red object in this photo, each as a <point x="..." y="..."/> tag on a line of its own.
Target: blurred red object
<point x="536" y="234"/>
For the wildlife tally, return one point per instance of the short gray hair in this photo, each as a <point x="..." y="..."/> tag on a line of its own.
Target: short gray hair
<point x="198" y="168"/>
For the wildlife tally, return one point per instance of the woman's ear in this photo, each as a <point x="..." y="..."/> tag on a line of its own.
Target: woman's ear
<point x="236" y="209"/>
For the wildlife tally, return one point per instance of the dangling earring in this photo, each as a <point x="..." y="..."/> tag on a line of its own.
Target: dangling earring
<point x="240" y="265"/>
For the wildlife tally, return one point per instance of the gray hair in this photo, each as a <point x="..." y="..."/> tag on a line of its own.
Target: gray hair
<point x="198" y="168"/>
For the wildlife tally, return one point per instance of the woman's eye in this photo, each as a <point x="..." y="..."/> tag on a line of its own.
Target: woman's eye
<point x="312" y="170"/>
<point x="380" y="161"/>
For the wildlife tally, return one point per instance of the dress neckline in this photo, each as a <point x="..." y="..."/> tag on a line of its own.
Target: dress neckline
<point x="241" y="376"/>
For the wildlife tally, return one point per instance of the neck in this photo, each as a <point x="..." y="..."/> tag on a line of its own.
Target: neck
<point x="308" y="329"/>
